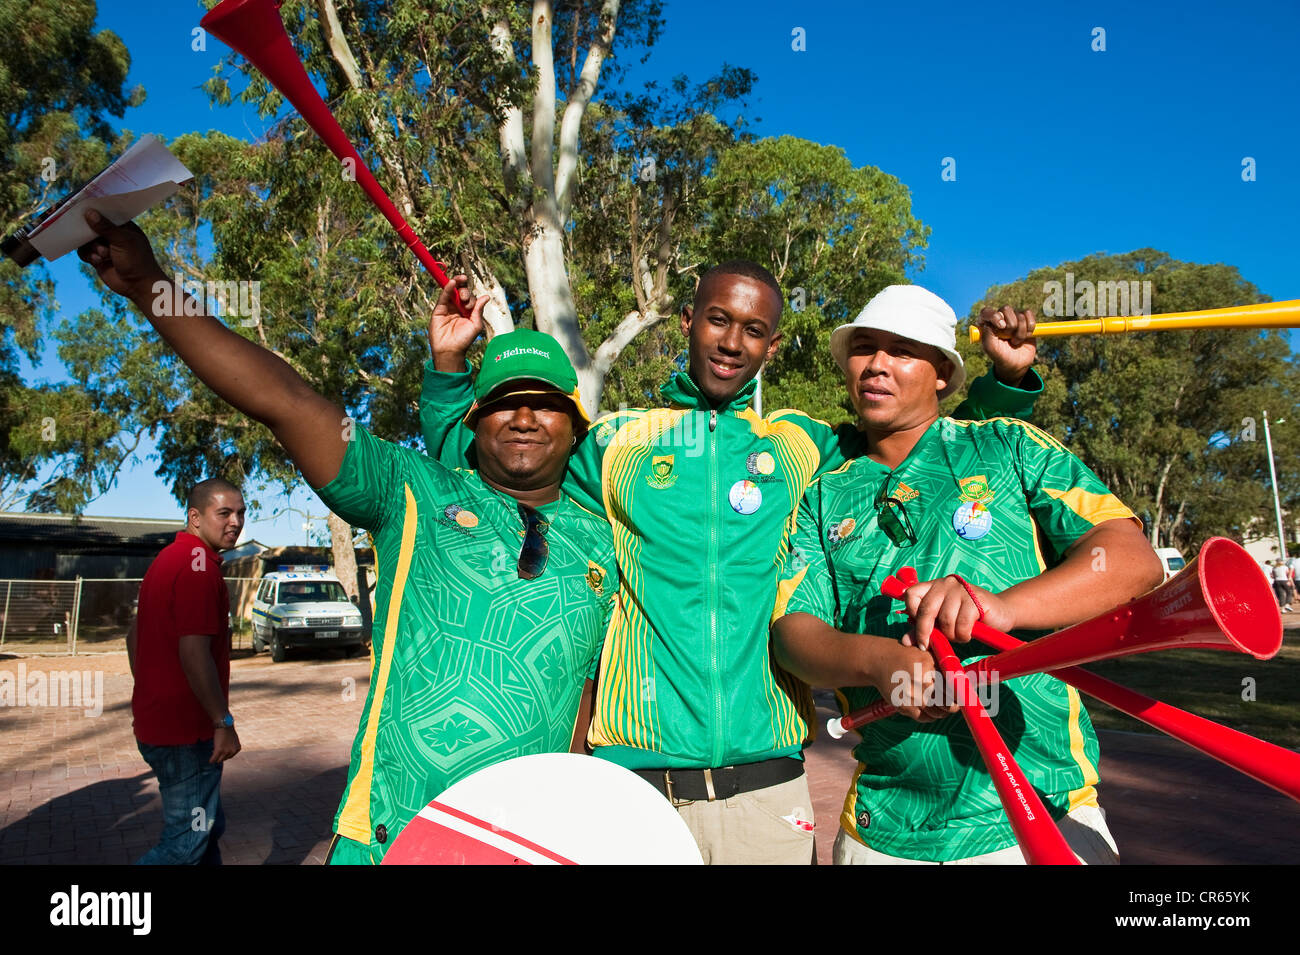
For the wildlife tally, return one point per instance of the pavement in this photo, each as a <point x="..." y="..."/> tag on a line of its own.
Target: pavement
<point x="74" y="789"/>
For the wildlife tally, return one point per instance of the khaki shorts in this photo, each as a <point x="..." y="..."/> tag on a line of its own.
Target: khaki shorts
<point x="754" y="828"/>
<point x="1084" y="830"/>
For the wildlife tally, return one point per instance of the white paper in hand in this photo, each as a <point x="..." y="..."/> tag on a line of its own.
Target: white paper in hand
<point x="142" y="177"/>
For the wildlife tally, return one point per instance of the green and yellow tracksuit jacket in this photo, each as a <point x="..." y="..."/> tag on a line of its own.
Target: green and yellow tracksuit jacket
<point x="702" y="501"/>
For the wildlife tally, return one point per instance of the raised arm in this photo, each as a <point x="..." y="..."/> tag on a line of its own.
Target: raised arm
<point x="250" y="378"/>
<point x="1011" y="387"/>
<point x="448" y="388"/>
<point x="445" y="398"/>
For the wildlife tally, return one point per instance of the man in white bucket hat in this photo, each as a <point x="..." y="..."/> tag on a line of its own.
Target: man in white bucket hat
<point x="911" y="312"/>
<point x="980" y="509"/>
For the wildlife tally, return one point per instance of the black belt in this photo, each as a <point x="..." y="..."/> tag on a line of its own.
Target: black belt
<point x="724" y="782"/>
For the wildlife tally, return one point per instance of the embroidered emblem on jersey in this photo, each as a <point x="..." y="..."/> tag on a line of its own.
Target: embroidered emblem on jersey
<point x="596" y="578"/>
<point x="745" y="497"/>
<point x="760" y="462"/>
<point x="661" y="472"/>
<point x="976" y="489"/>
<point x="972" y="520"/>
<point x="904" y="493"/>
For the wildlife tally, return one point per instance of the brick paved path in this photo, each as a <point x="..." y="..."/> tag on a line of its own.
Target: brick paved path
<point x="74" y="789"/>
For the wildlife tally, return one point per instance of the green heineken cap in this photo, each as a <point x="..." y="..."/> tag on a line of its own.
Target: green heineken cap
<point x="525" y="356"/>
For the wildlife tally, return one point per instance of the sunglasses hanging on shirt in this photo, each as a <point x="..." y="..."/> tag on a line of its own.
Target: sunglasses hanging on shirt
<point x="532" y="556"/>
<point x="891" y="517"/>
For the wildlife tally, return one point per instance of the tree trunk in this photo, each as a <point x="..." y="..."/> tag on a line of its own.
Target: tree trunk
<point x="540" y="190"/>
<point x="554" y="309"/>
<point x="345" y="557"/>
<point x="1159" y="504"/>
<point x="1177" y="537"/>
<point x="591" y="382"/>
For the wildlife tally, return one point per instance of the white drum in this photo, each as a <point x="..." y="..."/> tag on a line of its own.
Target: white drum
<point x="547" y="809"/>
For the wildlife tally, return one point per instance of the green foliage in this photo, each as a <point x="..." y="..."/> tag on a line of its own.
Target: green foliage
<point x="345" y="304"/>
<point x="832" y="234"/>
<point x="634" y="224"/>
<point x="341" y="298"/>
<point x="59" y="83"/>
<point x="433" y="81"/>
<point x="1172" y="422"/>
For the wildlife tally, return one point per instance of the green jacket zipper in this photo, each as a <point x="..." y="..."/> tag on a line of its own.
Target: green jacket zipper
<point x="716" y="677"/>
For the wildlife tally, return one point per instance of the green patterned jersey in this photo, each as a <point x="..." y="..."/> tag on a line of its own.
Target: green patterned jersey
<point x="996" y="501"/>
<point x="471" y="664"/>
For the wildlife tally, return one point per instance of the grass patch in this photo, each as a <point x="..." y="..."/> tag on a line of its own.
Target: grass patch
<point x="1210" y="683"/>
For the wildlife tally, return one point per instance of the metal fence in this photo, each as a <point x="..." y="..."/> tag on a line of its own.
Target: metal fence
<point x="89" y="614"/>
<point x="39" y="611"/>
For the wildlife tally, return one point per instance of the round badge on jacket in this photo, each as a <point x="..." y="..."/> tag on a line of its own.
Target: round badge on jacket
<point x="972" y="520"/>
<point x="745" y="497"/>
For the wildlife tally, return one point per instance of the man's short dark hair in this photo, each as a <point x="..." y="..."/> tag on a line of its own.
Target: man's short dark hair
<point x="748" y="269"/>
<point x="201" y="494"/>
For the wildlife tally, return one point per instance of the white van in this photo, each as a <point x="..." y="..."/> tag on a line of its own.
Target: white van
<point x="1171" y="560"/>
<point x="304" y="606"/>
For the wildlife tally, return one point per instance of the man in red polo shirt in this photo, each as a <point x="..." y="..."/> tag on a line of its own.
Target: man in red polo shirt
<point x="179" y="650"/>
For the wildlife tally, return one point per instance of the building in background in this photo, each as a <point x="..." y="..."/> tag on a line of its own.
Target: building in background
<point x="67" y="546"/>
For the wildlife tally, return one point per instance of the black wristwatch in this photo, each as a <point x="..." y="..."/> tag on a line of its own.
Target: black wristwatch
<point x="226" y="722"/>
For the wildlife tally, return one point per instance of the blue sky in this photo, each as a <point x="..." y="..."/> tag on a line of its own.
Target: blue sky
<point x="1061" y="151"/>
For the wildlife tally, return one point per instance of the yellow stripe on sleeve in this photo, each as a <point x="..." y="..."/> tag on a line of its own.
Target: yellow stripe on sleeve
<point x="1087" y="796"/>
<point x="1093" y="508"/>
<point x="354" y="821"/>
<point x="795" y="413"/>
<point x="1034" y="433"/>
<point x="784" y="591"/>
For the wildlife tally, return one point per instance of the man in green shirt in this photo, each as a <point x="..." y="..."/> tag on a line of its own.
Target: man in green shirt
<point x="701" y="495"/>
<point x="494" y="589"/>
<point x="1002" y="524"/>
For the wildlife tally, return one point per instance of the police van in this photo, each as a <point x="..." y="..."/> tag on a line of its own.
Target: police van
<point x="1171" y="560"/>
<point x="304" y="606"/>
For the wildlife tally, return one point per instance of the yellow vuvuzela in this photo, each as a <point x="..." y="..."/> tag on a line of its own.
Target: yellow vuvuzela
<point x="1267" y="315"/>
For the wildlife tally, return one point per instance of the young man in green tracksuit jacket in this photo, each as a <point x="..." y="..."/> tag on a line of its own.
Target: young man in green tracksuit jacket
<point x="702" y="496"/>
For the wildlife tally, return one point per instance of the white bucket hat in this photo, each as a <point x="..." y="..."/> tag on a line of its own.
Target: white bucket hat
<point x="908" y="311"/>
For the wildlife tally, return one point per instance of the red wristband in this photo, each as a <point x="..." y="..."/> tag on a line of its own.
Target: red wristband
<point x="970" y="591"/>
